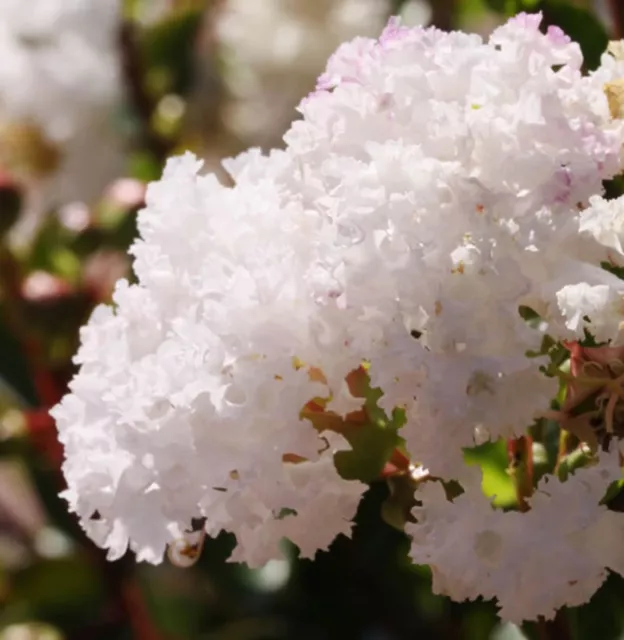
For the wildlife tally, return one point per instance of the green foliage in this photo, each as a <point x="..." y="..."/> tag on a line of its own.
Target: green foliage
<point x="372" y="446"/>
<point x="497" y="483"/>
<point x="167" y="52"/>
<point x="364" y="587"/>
<point x="604" y="617"/>
<point x="56" y="590"/>
<point x="511" y="7"/>
<point x="396" y="509"/>
<point x="372" y="442"/>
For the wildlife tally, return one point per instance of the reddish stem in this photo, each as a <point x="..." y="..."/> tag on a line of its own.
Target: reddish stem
<point x="616" y="8"/>
<point x="46" y="386"/>
<point x="127" y="603"/>
<point x="399" y="460"/>
<point x="133" y="603"/>
<point x="123" y="587"/>
<point x="43" y="435"/>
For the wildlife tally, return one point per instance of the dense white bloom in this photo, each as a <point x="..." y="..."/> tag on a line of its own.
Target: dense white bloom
<point x="432" y="188"/>
<point x="188" y="397"/>
<point x="534" y="563"/>
<point x="320" y="506"/>
<point x="452" y="171"/>
<point x="604" y="221"/>
<point x="594" y="299"/>
<point x="275" y="50"/>
<point x="604" y="305"/>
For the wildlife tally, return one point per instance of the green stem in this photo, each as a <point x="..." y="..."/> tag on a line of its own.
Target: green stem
<point x="143" y="104"/>
<point x="520" y="452"/>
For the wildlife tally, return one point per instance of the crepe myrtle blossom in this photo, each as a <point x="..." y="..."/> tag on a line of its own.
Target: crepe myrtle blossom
<point x="533" y="563"/>
<point x="51" y="48"/>
<point x="59" y="84"/>
<point x="433" y="188"/>
<point x="274" y="51"/>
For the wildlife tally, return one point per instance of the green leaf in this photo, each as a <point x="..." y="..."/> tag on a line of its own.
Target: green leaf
<point x="492" y="458"/>
<point x="396" y="508"/>
<point x="373" y="438"/>
<point x="143" y="166"/>
<point x="577" y="459"/>
<point x="59" y="588"/>
<point x="175" y="606"/>
<point x="546" y="441"/>
<point x="506" y="7"/>
<point x="372" y="444"/>
<point x="614" y="188"/>
<point x="471" y="10"/>
<point x="603" y="617"/>
<point x="614" y="269"/>
<point x="167" y="50"/>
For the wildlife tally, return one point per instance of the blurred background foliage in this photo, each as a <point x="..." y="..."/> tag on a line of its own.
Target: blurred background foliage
<point x="189" y="83"/>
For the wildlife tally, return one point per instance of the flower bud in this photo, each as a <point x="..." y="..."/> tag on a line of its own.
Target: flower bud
<point x="51" y="303"/>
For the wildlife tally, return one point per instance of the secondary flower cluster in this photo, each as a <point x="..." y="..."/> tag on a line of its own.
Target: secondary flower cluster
<point x="435" y="186"/>
<point x="275" y="50"/>
<point x="59" y="82"/>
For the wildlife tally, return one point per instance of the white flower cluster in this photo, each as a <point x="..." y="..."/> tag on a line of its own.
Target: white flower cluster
<point x="434" y="187"/>
<point x="59" y="81"/>
<point x="275" y="50"/>
<point x="58" y="61"/>
<point x="188" y="393"/>
<point x="533" y="563"/>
